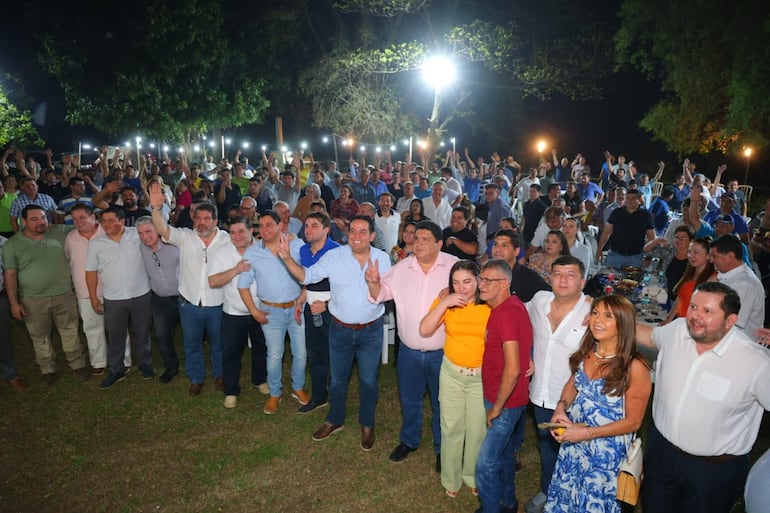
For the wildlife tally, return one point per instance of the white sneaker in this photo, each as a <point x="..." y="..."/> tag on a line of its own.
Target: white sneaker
<point x="231" y="401"/>
<point x="536" y="504"/>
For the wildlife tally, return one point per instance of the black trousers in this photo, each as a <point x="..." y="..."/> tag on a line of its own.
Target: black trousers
<point x="676" y="482"/>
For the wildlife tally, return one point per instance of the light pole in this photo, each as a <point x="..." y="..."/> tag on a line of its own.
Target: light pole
<point x="747" y="153"/>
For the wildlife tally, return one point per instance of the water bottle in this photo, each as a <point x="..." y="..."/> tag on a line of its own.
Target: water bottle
<point x="318" y="320"/>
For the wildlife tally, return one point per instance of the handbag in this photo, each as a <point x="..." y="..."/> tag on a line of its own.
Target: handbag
<point x="630" y="474"/>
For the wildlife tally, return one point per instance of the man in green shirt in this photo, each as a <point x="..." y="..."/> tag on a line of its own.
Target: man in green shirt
<point x="6" y="200"/>
<point x="39" y="287"/>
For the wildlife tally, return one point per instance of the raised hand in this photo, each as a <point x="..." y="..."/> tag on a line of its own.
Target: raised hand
<point x="372" y="274"/>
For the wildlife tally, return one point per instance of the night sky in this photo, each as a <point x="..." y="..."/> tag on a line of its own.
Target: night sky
<point x="588" y="127"/>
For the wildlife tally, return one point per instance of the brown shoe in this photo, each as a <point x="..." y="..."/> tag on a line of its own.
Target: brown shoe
<point x="195" y="389"/>
<point x="48" y="378"/>
<point x="367" y="438"/>
<point x="271" y="405"/>
<point x="325" y="431"/>
<point x="17" y="384"/>
<point x="82" y="374"/>
<point x="219" y="384"/>
<point x="301" y="396"/>
<point x="97" y="371"/>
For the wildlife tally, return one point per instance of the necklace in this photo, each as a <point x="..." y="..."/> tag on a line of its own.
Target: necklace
<point x="600" y="358"/>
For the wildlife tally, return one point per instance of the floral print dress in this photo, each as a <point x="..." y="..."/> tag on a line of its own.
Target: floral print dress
<point x="586" y="473"/>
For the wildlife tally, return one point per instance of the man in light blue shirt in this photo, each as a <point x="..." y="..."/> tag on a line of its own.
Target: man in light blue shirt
<point x="280" y="300"/>
<point x="356" y="327"/>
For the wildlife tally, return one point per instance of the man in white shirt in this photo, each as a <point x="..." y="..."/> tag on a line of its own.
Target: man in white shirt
<point x="402" y="205"/>
<point x="388" y="221"/>
<point x="557" y="329"/>
<point x="200" y="306"/>
<point x="115" y="257"/>
<point x="437" y="209"/>
<point x="726" y="254"/>
<point x="712" y="388"/>
<point x="238" y="326"/>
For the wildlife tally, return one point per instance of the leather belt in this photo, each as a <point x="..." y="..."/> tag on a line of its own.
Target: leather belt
<point x="354" y="327"/>
<point x="278" y="305"/>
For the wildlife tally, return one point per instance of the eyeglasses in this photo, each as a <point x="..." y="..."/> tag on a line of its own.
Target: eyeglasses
<point x="488" y="281"/>
<point x="156" y="259"/>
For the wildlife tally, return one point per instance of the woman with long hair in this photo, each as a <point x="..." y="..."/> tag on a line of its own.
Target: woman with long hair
<point x="463" y="417"/>
<point x="554" y="246"/>
<point x="405" y="246"/>
<point x="576" y="242"/>
<point x="699" y="269"/>
<point x="601" y="405"/>
<point x="344" y="208"/>
<point x="416" y="212"/>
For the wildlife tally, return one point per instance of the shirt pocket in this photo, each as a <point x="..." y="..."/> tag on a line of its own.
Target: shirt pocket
<point x="713" y="387"/>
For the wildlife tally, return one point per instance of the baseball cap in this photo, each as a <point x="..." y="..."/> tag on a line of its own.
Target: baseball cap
<point x="728" y="219"/>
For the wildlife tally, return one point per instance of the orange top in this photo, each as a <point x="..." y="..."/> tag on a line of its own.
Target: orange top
<point x="465" y="332"/>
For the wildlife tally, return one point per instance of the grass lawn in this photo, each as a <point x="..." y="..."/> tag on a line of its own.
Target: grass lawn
<point x="145" y="447"/>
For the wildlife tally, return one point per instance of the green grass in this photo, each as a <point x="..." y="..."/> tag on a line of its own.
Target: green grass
<point x="145" y="447"/>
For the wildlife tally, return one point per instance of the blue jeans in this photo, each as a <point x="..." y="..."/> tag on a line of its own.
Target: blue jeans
<point x="236" y="332"/>
<point x="618" y="260"/>
<point x="279" y="322"/>
<point x="195" y="319"/>
<point x="365" y="345"/>
<point x="317" y="345"/>
<point x="165" y="319"/>
<point x="549" y="448"/>
<point x="418" y="371"/>
<point x="495" y="467"/>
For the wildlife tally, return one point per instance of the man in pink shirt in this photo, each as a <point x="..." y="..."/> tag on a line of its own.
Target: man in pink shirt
<point x="413" y="284"/>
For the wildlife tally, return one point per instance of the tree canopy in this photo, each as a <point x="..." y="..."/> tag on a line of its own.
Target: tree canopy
<point x="367" y="69"/>
<point x="165" y="67"/>
<point x="710" y="59"/>
<point x="16" y="127"/>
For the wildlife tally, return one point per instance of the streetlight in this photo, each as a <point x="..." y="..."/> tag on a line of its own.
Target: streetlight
<point x="540" y="147"/>
<point x="747" y="153"/>
<point x="438" y="71"/>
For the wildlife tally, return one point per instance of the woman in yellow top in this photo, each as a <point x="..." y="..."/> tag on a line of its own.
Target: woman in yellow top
<point x="463" y="419"/>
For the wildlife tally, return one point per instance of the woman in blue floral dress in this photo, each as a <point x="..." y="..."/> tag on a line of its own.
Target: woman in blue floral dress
<point x="601" y="405"/>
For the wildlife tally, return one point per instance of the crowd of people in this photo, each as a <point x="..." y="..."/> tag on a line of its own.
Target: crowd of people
<point x="482" y="265"/>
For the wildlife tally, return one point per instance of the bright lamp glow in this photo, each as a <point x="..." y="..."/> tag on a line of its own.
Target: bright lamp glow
<point x="284" y="149"/>
<point x="452" y="140"/>
<point x="392" y="147"/>
<point x="165" y="148"/>
<point x="540" y="146"/>
<point x="378" y="149"/>
<point x="363" y="148"/>
<point x="127" y="145"/>
<point x="406" y="142"/>
<point x="325" y="139"/>
<point x="85" y="146"/>
<point x="438" y="71"/>
<point x="138" y="140"/>
<point x="212" y="144"/>
<point x="245" y="146"/>
<point x="264" y="147"/>
<point x="747" y="152"/>
<point x="152" y="145"/>
<point x="228" y="141"/>
<point x="197" y="148"/>
<point x="303" y="145"/>
<point x="181" y="149"/>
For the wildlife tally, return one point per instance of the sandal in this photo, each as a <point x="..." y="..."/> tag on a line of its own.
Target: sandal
<point x="451" y="494"/>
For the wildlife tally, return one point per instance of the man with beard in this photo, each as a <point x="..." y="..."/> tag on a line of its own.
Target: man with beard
<point x="130" y="205"/>
<point x="39" y="289"/>
<point x="200" y="306"/>
<point x="711" y="389"/>
<point x="238" y="326"/>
